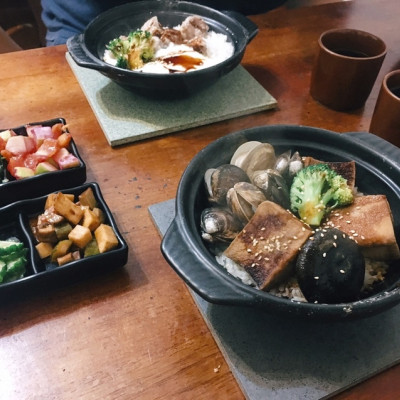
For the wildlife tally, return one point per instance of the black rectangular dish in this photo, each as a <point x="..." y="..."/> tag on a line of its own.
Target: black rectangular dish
<point x="37" y="185"/>
<point x="15" y="222"/>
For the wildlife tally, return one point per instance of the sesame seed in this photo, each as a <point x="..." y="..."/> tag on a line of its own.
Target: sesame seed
<point x="294" y="237"/>
<point x="355" y="234"/>
<point x="263" y="228"/>
<point x="316" y="277"/>
<point x="335" y="237"/>
<point x="334" y="244"/>
<point x="249" y="250"/>
<point x="341" y="271"/>
<point x="362" y="237"/>
<point x="348" y="222"/>
<point x="322" y="235"/>
<point x="324" y="255"/>
<point x="344" y="236"/>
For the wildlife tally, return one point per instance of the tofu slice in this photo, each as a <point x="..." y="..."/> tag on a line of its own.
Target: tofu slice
<point x="268" y="244"/>
<point x="369" y="222"/>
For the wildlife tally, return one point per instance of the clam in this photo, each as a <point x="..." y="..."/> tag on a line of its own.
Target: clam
<point x="252" y="156"/>
<point x="219" y="224"/>
<point x="220" y="180"/>
<point x="295" y="165"/>
<point x="273" y="185"/>
<point x="243" y="199"/>
<point x="288" y="164"/>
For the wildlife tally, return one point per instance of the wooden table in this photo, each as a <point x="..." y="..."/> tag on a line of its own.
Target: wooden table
<point x="136" y="333"/>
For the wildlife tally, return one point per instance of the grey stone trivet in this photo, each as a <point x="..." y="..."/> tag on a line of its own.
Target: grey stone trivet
<point x="277" y="359"/>
<point x="127" y="117"/>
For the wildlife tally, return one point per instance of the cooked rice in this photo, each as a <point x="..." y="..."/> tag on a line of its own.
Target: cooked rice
<point x="375" y="271"/>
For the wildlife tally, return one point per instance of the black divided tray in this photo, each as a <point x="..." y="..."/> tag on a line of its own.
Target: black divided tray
<point x="14" y="221"/>
<point x="37" y="185"/>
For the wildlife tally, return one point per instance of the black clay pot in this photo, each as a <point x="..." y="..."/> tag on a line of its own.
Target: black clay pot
<point x="87" y="49"/>
<point x="377" y="172"/>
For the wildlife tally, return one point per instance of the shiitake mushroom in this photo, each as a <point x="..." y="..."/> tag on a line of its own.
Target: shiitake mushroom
<point x="330" y="268"/>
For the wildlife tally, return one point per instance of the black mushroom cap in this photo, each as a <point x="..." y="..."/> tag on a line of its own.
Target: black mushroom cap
<point x="330" y="268"/>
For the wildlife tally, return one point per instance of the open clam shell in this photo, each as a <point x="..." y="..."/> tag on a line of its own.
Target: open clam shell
<point x="253" y="156"/>
<point x="219" y="180"/>
<point x="243" y="199"/>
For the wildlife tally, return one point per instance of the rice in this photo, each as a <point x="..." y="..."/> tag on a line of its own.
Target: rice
<point x="218" y="49"/>
<point x="375" y="272"/>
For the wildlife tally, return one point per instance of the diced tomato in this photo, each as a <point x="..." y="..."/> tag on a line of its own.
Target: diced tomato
<point x="57" y="130"/>
<point x="18" y="145"/>
<point x="6" y="154"/>
<point x="60" y="154"/>
<point x="31" y="161"/>
<point x="48" y="148"/>
<point x="2" y="144"/>
<point x="64" y="139"/>
<point x="13" y="162"/>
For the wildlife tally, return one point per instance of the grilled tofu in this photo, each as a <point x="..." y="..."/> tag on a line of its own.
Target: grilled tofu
<point x="347" y="169"/>
<point x="369" y="222"/>
<point x="268" y="244"/>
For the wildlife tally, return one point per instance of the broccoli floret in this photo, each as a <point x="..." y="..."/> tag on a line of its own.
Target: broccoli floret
<point x="316" y="190"/>
<point x="134" y="50"/>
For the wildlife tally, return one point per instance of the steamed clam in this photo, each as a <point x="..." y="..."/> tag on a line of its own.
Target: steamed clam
<point x="219" y="224"/>
<point x="253" y="156"/>
<point x="219" y="180"/>
<point x="273" y="185"/>
<point x="243" y="199"/>
<point x="288" y="164"/>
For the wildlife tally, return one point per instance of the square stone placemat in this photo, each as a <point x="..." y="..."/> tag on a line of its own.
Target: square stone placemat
<point x="127" y="117"/>
<point x="283" y="359"/>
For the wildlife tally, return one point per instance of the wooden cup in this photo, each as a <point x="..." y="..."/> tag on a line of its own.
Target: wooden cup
<point x="346" y="67"/>
<point x="385" y="120"/>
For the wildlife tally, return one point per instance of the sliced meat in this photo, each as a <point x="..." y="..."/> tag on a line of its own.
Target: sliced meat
<point x="153" y="26"/>
<point x="193" y="26"/>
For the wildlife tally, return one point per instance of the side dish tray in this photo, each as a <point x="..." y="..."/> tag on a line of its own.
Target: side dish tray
<point x="41" y="273"/>
<point x="37" y="185"/>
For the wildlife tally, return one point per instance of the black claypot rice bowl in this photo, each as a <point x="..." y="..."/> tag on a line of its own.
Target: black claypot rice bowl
<point x="377" y="172"/>
<point x="87" y="49"/>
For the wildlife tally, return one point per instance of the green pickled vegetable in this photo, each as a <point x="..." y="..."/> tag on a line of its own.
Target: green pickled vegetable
<point x="12" y="260"/>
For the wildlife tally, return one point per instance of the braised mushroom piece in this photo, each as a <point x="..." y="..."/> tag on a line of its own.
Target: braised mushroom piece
<point x="330" y="268"/>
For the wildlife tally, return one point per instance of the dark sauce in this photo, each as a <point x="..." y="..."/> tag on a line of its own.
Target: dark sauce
<point x="185" y="61"/>
<point x="350" y="53"/>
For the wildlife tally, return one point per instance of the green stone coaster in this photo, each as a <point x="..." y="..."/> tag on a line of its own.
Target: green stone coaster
<point x="126" y="117"/>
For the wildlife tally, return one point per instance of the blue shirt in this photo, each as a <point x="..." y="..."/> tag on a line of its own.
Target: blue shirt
<point x="66" y="18"/>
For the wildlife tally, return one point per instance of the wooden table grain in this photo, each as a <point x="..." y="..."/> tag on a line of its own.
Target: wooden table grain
<point x="135" y="333"/>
